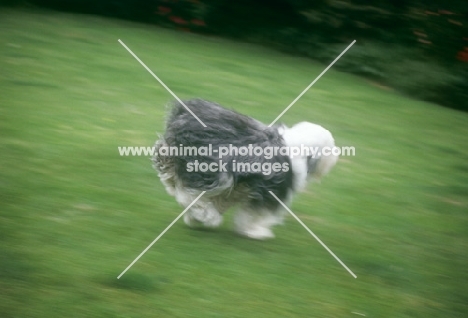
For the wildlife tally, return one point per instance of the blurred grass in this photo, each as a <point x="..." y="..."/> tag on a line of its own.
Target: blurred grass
<point x="75" y="214"/>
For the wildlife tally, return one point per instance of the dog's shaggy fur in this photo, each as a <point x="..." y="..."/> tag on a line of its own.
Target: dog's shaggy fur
<point x="258" y="210"/>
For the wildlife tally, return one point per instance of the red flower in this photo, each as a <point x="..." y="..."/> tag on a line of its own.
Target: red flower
<point x="198" y="22"/>
<point x="164" y="10"/>
<point x="463" y="55"/>
<point x="178" y="20"/>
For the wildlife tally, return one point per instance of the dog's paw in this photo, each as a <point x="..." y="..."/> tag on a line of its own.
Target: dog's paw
<point x="214" y="221"/>
<point x="257" y="233"/>
<point x="190" y="221"/>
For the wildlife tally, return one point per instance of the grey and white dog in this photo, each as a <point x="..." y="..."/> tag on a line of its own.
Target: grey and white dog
<point x="242" y="178"/>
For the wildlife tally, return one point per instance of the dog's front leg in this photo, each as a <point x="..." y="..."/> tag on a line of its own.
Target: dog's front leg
<point x="203" y="214"/>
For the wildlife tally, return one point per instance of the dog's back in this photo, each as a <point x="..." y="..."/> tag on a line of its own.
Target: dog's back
<point x="225" y="128"/>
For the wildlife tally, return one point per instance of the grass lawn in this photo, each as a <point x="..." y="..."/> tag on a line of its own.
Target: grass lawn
<point x="74" y="213"/>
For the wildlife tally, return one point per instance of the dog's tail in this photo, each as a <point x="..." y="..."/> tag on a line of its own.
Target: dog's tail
<point x="165" y="166"/>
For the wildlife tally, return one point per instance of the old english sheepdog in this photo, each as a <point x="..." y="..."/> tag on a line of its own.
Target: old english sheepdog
<point x="237" y="160"/>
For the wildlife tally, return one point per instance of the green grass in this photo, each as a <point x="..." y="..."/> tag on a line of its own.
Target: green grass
<point x="74" y="214"/>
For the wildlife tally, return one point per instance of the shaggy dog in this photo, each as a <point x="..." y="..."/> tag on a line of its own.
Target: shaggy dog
<point x="243" y="178"/>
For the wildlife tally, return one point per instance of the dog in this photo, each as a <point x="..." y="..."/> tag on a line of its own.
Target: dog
<point x="243" y="179"/>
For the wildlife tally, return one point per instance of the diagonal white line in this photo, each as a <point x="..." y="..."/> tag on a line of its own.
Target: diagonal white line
<point x="312" y="233"/>
<point x="307" y="88"/>
<point x="160" y="235"/>
<point x="161" y="82"/>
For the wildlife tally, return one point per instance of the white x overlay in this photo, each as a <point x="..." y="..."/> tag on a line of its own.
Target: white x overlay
<point x="162" y="83"/>
<point x="312" y="233"/>
<point x="203" y="124"/>
<point x="310" y="85"/>
<point x="162" y="233"/>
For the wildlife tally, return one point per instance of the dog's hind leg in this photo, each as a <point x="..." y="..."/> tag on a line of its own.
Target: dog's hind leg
<point x="256" y="225"/>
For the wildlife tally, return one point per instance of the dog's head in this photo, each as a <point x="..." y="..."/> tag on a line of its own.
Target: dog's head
<point x="317" y="155"/>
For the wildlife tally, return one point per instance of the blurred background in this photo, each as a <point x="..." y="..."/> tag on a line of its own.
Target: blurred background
<point x="417" y="47"/>
<point x="74" y="213"/>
